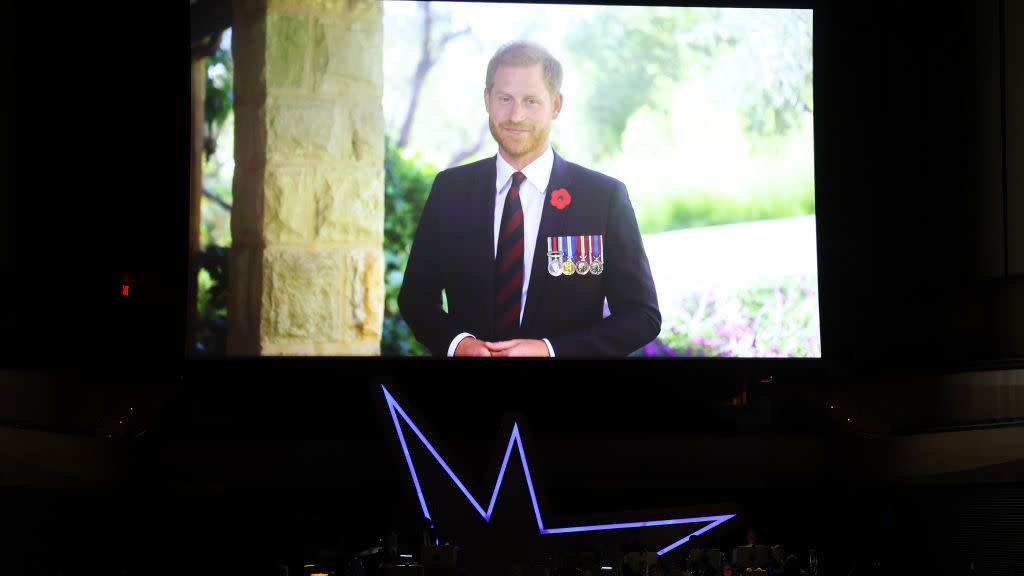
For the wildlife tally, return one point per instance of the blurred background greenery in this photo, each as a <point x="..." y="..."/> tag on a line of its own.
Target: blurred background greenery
<point x="706" y="114"/>
<point x="407" y="181"/>
<point x="215" y="204"/>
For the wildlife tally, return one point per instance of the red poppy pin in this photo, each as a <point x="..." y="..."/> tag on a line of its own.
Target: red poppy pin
<point x="560" y="198"/>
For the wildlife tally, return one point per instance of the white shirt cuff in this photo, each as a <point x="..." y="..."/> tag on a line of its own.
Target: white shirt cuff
<point x="455" y="343"/>
<point x="551" y="351"/>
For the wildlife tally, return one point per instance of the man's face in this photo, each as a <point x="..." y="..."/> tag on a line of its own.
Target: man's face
<point x="521" y="110"/>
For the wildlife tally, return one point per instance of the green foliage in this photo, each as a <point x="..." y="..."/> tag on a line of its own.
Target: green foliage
<point x="407" y="183"/>
<point x="630" y="60"/>
<point x="697" y="208"/>
<point x="211" y="304"/>
<point x="220" y="93"/>
<point x="768" y="321"/>
<point x="778" y="98"/>
<point x="215" y="220"/>
<point x="215" y="230"/>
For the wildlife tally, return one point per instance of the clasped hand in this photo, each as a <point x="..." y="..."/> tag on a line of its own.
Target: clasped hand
<point x="519" y="347"/>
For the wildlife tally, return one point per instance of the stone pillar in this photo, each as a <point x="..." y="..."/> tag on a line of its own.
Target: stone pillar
<point x="307" y="226"/>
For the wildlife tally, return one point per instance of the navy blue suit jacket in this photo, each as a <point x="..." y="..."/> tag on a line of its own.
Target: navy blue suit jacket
<point x="454" y="251"/>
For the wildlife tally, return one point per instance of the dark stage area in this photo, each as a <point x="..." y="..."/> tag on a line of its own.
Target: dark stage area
<point x="230" y="471"/>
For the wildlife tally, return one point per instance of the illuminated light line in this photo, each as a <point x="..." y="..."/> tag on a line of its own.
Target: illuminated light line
<point x="405" y="449"/>
<point x="516" y="440"/>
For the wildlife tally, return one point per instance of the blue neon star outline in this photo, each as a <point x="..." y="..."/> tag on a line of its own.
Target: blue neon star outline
<point x="516" y="440"/>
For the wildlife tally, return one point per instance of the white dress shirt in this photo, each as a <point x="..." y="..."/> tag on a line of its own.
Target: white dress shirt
<point x="531" y="196"/>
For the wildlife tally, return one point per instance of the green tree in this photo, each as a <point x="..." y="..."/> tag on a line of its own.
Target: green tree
<point x="629" y="58"/>
<point x="211" y="297"/>
<point x="220" y="93"/>
<point x="407" y="183"/>
<point x="212" y="304"/>
<point x="778" y="97"/>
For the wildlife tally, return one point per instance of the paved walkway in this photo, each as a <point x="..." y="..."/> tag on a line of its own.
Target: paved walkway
<point x="731" y="256"/>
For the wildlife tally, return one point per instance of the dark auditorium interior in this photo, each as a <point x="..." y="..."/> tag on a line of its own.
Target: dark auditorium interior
<point x="900" y="450"/>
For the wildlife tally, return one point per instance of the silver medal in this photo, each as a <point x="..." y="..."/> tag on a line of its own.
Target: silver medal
<point x="555" y="263"/>
<point x="582" y="266"/>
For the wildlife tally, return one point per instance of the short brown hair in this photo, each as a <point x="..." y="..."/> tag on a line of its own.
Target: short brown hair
<point x="526" y="54"/>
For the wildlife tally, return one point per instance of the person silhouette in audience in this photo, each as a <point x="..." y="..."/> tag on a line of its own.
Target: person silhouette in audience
<point x="699" y="565"/>
<point x="791" y="566"/>
<point x="751" y="541"/>
<point x="777" y="562"/>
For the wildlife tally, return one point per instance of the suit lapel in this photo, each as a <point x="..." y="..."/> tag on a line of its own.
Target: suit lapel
<point x="551" y="224"/>
<point x="485" y="193"/>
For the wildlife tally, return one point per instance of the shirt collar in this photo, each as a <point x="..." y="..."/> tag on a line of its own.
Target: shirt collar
<point x="537" y="173"/>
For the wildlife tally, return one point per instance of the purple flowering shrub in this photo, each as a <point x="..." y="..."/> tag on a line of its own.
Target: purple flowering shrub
<point x="780" y="320"/>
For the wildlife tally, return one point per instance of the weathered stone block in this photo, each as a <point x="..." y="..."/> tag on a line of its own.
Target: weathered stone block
<point x="352" y="48"/>
<point x="288" y="349"/>
<point x="301" y="295"/>
<point x="350" y="204"/>
<point x="366" y="292"/>
<point x="306" y="129"/>
<point x="365" y="347"/>
<point x="288" y="48"/>
<point x="318" y="6"/>
<point x="289" y="213"/>
<point x="366" y="116"/>
<point x="371" y="9"/>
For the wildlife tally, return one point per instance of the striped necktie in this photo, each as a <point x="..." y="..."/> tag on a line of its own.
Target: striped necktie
<point x="508" y="267"/>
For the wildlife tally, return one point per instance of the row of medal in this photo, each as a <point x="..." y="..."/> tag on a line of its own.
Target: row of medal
<point x="568" y="255"/>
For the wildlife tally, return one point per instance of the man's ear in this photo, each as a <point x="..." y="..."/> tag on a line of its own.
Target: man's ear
<point x="487" y="101"/>
<point x="557" y="102"/>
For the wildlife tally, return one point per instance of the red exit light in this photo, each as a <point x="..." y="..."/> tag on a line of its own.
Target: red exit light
<point x="125" y="290"/>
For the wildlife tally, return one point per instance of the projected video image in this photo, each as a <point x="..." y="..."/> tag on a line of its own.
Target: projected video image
<point x="599" y="181"/>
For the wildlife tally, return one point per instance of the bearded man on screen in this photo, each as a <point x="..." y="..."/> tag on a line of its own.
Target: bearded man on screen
<point x="526" y="246"/>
